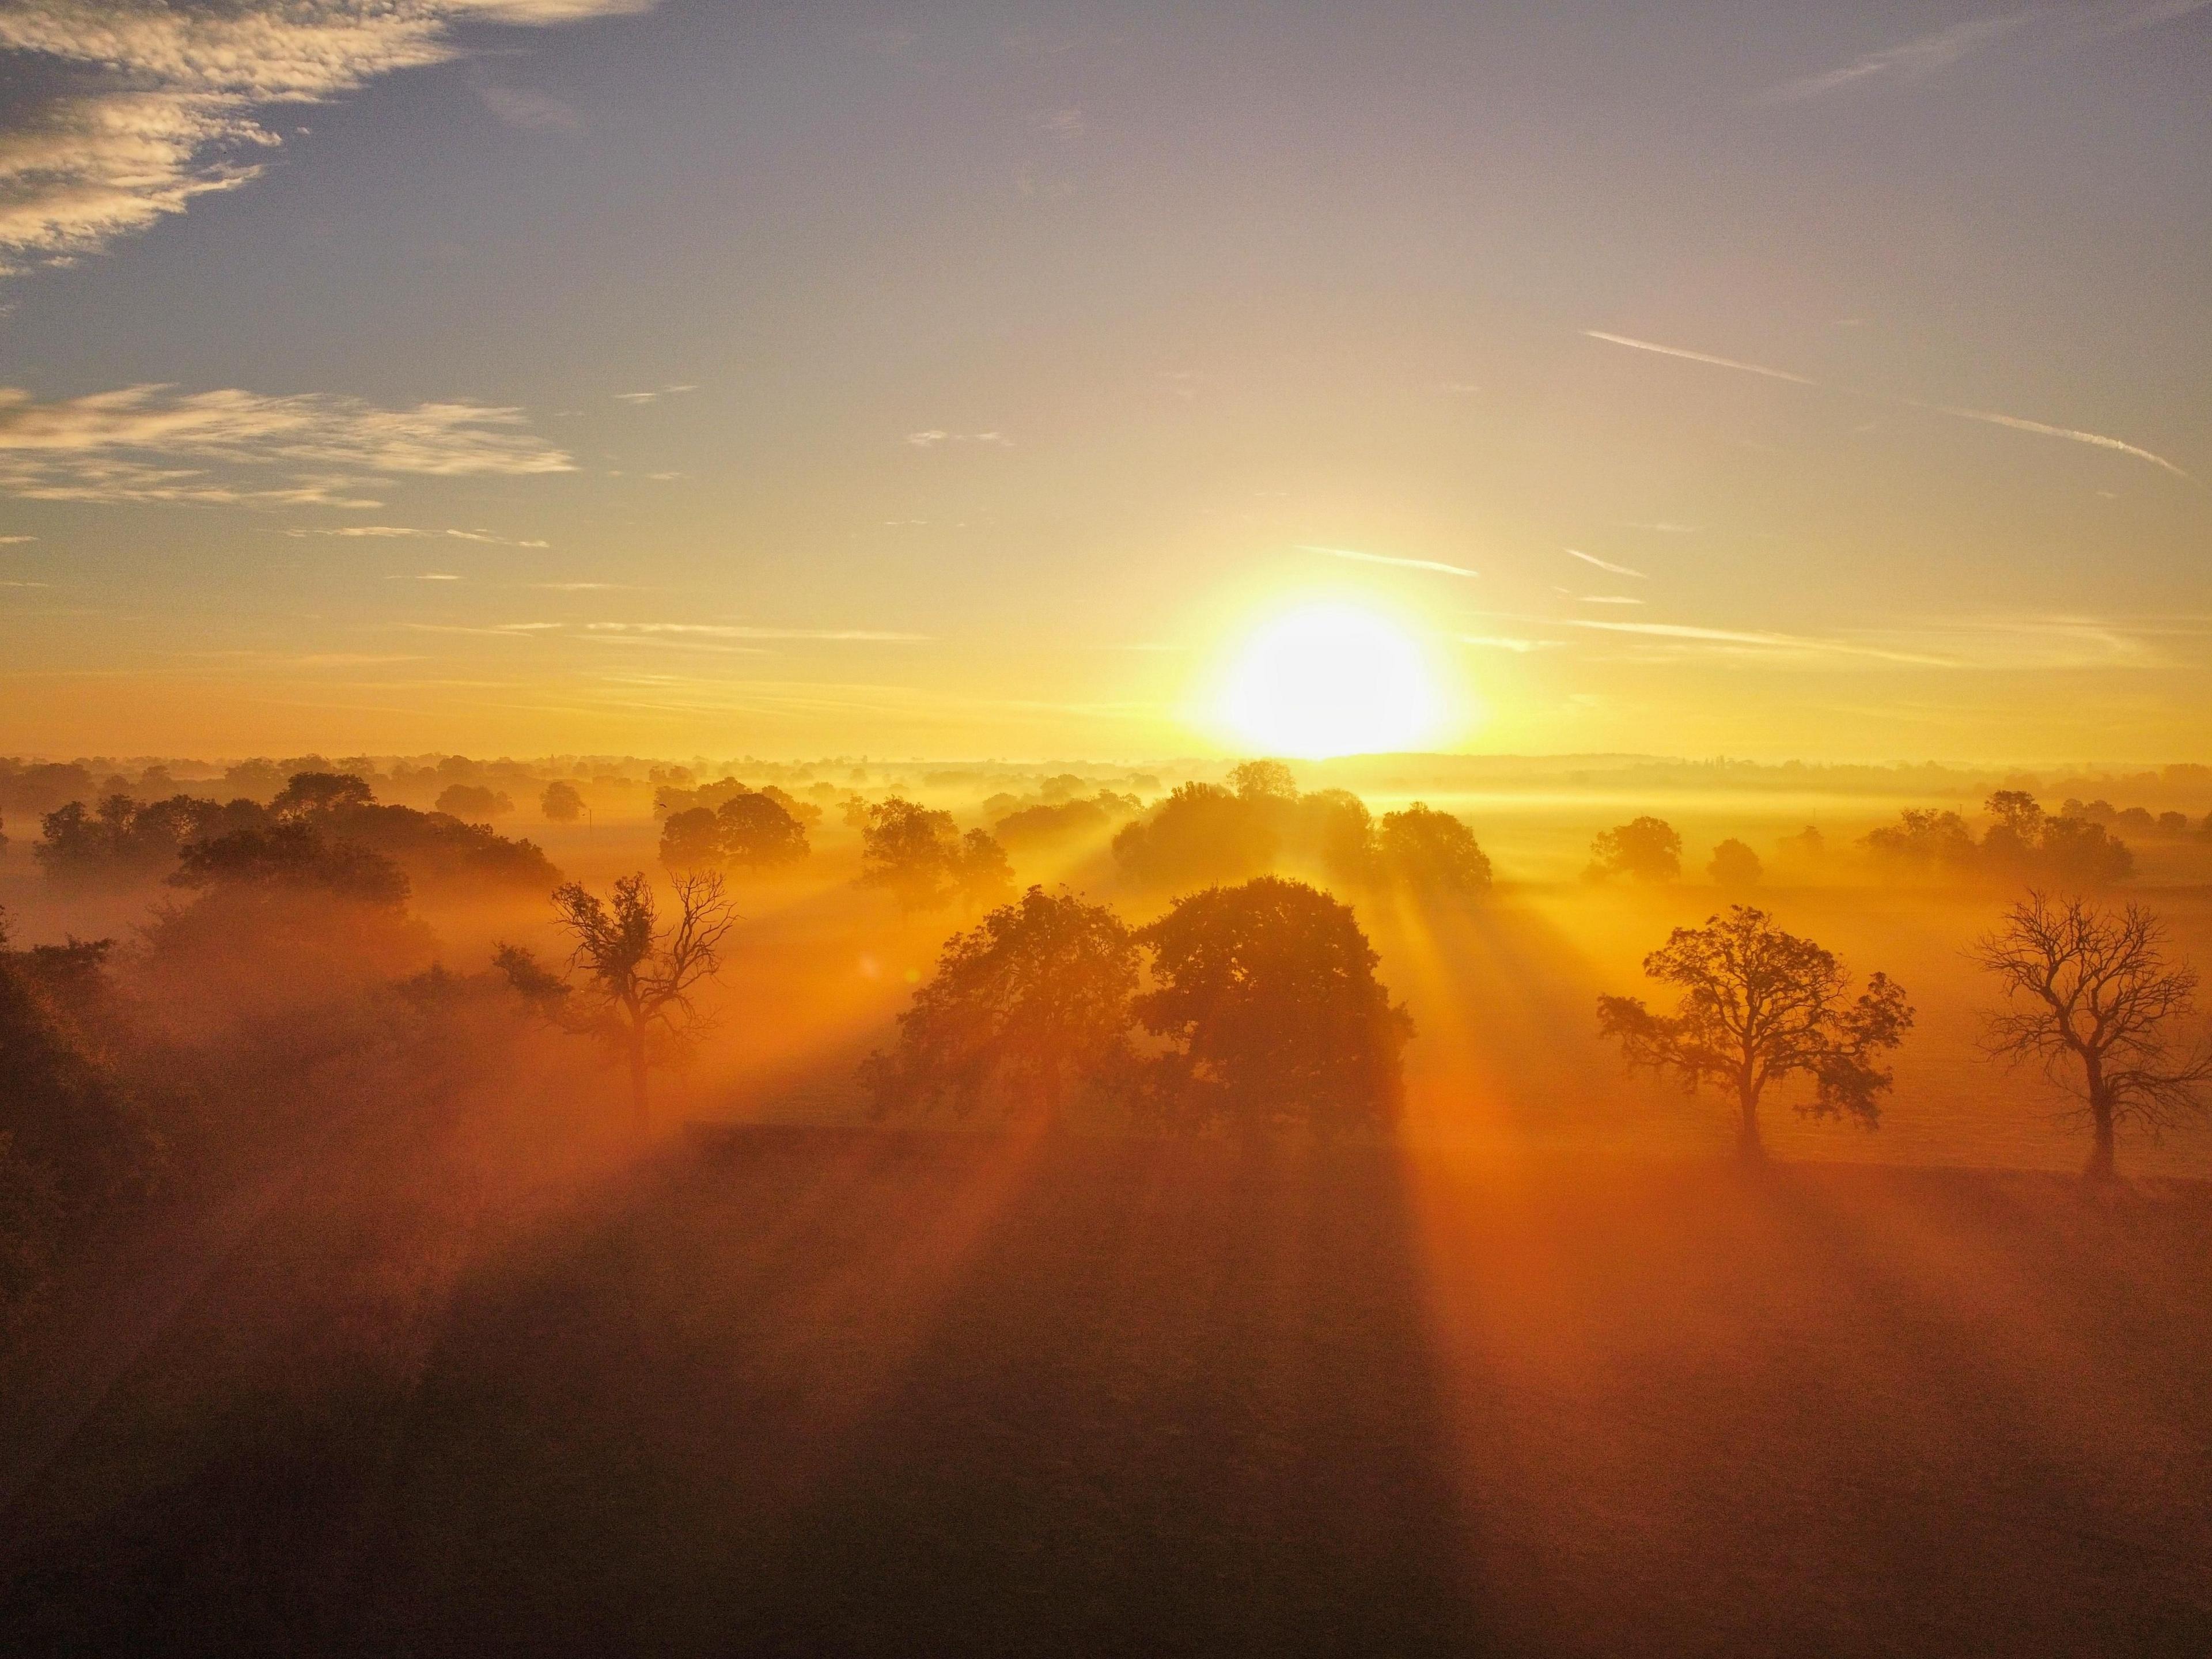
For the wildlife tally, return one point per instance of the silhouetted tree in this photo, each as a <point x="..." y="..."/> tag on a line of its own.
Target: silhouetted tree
<point x="311" y="795"/>
<point x="1200" y="833"/>
<point x="293" y="856"/>
<point x="750" y="831"/>
<point x="1736" y="868"/>
<point x="1050" y="825"/>
<point x="473" y="802"/>
<point x="1263" y="780"/>
<point x="1922" y="841"/>
<point x="1643" y="849"/>
<point x="1268" y="996"/>
<point x="1330" y="830"/>
<point x="630" y="980"/>
<point x="1759" y="1005"/>
<point x="561" y="803"/>
<point x="981" y="872"/>
<point x="2091" y="994"/>
<point x="2077" y="853"/>
<point x="1433" y="853"/>
<point x="911" y="851"/>
<point x="1807" y="846"/>
<point x="1029" y="1009"/>
<point x="74" y="1135"/>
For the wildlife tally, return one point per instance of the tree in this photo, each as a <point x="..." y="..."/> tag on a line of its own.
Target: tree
<point x="1761" y="1006"/>
<point x="911" y="851"/>
<point x="1201" y="833"/>
<point x="2017" y="833"/>
<point x="1265" y="993"/>
<point x="311" y="795"/>
<point x="1736" y="868"/>
<point x="981" y="871"/>
<point x="2093" y="996"/>
<point x="472" y="801"/>
<point x="1263" y="780"/>
<point x="561" y="803"/>
<point x="759" y="832"/>
<point x="293" y="856"/>
<point x="1330" y="830"/>
<point x="629" y="980"/>
<point x="1029" y="1009"/>
<point x="1432" y="853"/>
<point x="1644" y="849"/>
<point x="1923" y="840"/>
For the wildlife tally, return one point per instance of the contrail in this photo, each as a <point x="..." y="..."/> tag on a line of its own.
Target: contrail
<point x="1591" y="558"/>
<point x="1385" y="558"/>
<point x="2017" y="423"/>
<point x="1699" y="357"/>
<point x="2037" y="426"/>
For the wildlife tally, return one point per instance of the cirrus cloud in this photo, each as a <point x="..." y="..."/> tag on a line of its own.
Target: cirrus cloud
<point x="136" y="108"/>
<point x="151" y="443"/>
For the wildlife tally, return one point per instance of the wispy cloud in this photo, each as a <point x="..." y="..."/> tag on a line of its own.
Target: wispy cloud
<point x="745" y="631"/>
<point x="932" y="437"/>
<point x="1926" y="56"/>
<point x="16" y="541"/>
<point x="1609" y="598"/>
<point x="1762" y="642"/>
<point x="392" y="532"/>
<point x="150" y="443"/>
<point x="655" y="395"/>
<point x="1603" y="564"/>
<point x="426" y="576"/>
<point x="1511" y="642"/>
<point x="1738" y="364"/>
<point x="1389" y="558"/>
<point x="152" y="105"/>
<point x="1909" y="60"/>
<point x="2014" y="423"/>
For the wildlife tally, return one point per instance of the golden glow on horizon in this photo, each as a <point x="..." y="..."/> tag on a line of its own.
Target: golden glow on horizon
<point x="1329" y="678"/>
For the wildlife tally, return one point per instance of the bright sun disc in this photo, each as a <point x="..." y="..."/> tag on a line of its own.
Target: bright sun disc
<point x="1328" y="679"/>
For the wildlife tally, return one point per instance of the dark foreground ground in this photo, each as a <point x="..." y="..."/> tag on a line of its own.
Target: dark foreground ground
<point x="830" y="1392"/>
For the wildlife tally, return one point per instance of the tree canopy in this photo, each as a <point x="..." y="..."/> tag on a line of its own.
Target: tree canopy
<point x="1266" y="996"/>
<point x="1030" y="1008"/>
<point x="1758" y="1007"/>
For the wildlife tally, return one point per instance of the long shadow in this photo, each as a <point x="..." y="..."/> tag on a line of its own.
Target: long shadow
<point x="1134" y="1398"/>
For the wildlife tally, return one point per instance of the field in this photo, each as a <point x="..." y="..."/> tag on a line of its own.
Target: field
<point x="835" y="1391"/>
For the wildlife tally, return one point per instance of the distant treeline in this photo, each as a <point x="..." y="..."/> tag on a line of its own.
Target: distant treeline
<point x="118" y="837"/>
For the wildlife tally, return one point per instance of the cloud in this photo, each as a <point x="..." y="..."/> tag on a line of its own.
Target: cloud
<point x="931" y="438"/>
<point x="655" y="395"/>
<point x="735" y="631"/>
<point x="2015" y="422"/>
<point x="16" y="541"/>
<point x="426" y="576"/>
<point x="149" y="443"/>
<point x="1609" y="598"/>
<point x="1925" y="56"/>
<point x="1388" y="558"/>
<point x="1788" y="644"/>
<point x="1635" y="345"/>
<point x="1511" y="642"/>
<point x="1591" y="558"/>
<point x="531" y="111"/>
<point x="134" y="108"/>
<point x="1911" y="60"/>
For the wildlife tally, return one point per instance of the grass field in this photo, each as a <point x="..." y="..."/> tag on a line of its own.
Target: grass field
<point x="830" y="1391"/>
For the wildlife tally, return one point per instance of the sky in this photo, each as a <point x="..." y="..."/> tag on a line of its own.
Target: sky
<point x="556" y="376"/>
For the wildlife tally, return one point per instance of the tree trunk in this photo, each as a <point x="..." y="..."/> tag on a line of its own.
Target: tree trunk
<point x="2101" y="1150"/>
<point x="1749" y="1147"/>
<point x="641" y="1110"/>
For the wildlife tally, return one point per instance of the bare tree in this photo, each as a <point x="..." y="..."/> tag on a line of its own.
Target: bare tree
<point x="1759" y="1005"/>
<point x="2090" y="994"/>
<point x="630" y="979"/>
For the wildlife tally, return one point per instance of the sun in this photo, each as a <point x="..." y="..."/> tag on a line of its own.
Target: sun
<point x="1331" y="680"/>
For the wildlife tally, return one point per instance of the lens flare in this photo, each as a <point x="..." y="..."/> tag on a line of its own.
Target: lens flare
<point x="1331" y="680"/>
